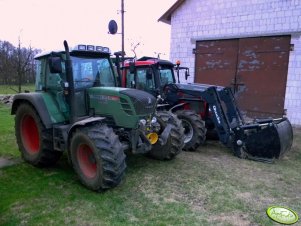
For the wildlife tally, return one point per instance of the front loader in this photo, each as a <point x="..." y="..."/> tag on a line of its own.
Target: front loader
<point x="261" y="139"/>
<point x="78" y="108"/>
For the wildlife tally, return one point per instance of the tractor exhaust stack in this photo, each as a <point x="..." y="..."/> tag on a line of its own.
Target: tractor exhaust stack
<point x="69" y="75"/>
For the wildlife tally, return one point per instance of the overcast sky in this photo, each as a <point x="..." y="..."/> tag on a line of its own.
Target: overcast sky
<point x="44" y="24"/>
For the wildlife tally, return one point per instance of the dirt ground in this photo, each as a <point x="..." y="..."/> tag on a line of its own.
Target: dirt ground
<point x="8" y="162"/>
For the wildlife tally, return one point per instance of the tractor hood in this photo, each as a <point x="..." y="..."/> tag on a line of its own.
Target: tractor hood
<point x="125" y="106"/>
<point x="192" y="89"/>
<point x="143" y="102"/>
<point x="196" y="87"/>
<point x="173" y="91"/>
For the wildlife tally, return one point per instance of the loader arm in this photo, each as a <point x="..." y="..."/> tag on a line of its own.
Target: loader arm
<point x="261" y="140"/>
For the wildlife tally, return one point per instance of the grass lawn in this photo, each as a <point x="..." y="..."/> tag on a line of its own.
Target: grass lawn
<point x="206" y="187"/>
<point x="13" y="89"/>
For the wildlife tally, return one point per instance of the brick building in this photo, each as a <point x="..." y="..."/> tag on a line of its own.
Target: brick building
<point x="253" y="46"/>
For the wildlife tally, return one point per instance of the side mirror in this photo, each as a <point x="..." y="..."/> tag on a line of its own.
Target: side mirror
<point x="55" y="65"/>
<point x="132" y="68"/>
<point x="149" y="74"/>
<point x="186" y="74"/>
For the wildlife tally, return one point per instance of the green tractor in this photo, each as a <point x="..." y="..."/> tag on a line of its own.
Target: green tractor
<point x="78" y="108"/>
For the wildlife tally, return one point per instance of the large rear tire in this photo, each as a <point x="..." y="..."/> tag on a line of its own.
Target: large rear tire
<point x="175" y="141"/>
<point x="194" y="129"/>
<point x="97" y="157"/>
<point x="34" y="140"/>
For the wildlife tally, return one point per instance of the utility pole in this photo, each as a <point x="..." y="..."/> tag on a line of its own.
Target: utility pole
<point x="122" y="31"/>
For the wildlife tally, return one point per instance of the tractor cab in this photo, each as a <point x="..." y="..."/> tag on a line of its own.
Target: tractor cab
<point x="91" y="67"/>
<point x="148" y="74"/>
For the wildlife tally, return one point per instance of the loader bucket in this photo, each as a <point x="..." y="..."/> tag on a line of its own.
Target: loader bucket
<point x="270" y="140"/>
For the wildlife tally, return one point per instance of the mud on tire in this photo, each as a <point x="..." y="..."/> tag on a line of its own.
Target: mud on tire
<point x="175" y="141"/>
<point x="97" y="157"/>
<point x="194" y="129"/>
<point x="33" y="139"/>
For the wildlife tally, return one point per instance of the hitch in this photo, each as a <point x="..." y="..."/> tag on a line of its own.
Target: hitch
<point x="140" y="143"/>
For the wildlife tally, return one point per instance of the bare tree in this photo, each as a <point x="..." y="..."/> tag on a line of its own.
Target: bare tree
<point x="22" y="63"/>
<point x="6" y="62"/>
<point x="134" y="47"/>
<point x="17" y="65"/>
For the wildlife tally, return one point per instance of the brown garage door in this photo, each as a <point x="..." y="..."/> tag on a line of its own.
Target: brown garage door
<point x="256" y="69"/>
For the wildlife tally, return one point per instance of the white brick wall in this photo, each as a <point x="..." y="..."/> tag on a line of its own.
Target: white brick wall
<point x="293" y="87"/>
<point x="221" y="19"/>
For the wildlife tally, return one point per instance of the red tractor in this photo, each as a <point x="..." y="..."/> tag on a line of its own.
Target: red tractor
<point x="154" y="76"/>
<point x="203" y="108"/>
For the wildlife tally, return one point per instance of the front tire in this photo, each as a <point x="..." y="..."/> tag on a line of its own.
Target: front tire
<point x="175" y="141"/>
<point x="194" y="129"/>
<point x="97" y="157"/>
<point x="34" y="140"/>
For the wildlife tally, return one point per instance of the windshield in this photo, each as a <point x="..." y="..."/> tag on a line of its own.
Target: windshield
<point x="166" y="76"/>
<point x="92" y="72"/>
<point x="142" y="81"/>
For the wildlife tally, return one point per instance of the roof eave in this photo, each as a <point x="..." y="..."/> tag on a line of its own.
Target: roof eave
<point x="166" y="17"/>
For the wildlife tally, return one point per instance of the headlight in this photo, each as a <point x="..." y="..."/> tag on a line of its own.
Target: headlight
<point x="81" y="47"/>
<point x="142" y="122"/>
<point x="90" y="48"/>
<point x="154" y="120"/>
<point x="106" y="49"/>
<point x="99" y="48"/>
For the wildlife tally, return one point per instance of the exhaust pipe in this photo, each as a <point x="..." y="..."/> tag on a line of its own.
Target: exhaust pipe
<point x="69" y="77"/>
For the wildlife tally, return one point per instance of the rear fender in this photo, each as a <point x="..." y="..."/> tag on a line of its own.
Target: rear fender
<point x="37" y="102"/>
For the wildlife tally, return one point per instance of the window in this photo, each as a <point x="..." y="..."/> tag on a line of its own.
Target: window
<point x="89" y="72"/>
<point x="39" y="76"/>
<point x="166" y="76"/>
<point x="142" y="82"/>
<point x="54" y="80"/>
<point x="129" y="79"/>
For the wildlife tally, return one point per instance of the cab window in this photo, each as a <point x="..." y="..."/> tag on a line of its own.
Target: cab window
<point x="143" y="82"/>
<point x="40" y="75"/>
<point x="54" y="80"/>
<point x="88" y="72"/>
<point x="166" y="76"/>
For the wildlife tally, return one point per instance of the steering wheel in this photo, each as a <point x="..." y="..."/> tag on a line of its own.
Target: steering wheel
<point x="83" y="82"/>
<point x="86" y="79"/>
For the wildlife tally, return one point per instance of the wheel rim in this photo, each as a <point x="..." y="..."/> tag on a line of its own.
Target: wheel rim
<point x="86" y="160"/>
<point x="30" y="134"/>
<point x="188" y="131"/>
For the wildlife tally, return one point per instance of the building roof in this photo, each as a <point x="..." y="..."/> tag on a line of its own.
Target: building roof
<point x="166" y="17"/>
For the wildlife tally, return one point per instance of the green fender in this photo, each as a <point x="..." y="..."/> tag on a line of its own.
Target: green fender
<point x="44" y="104"/>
